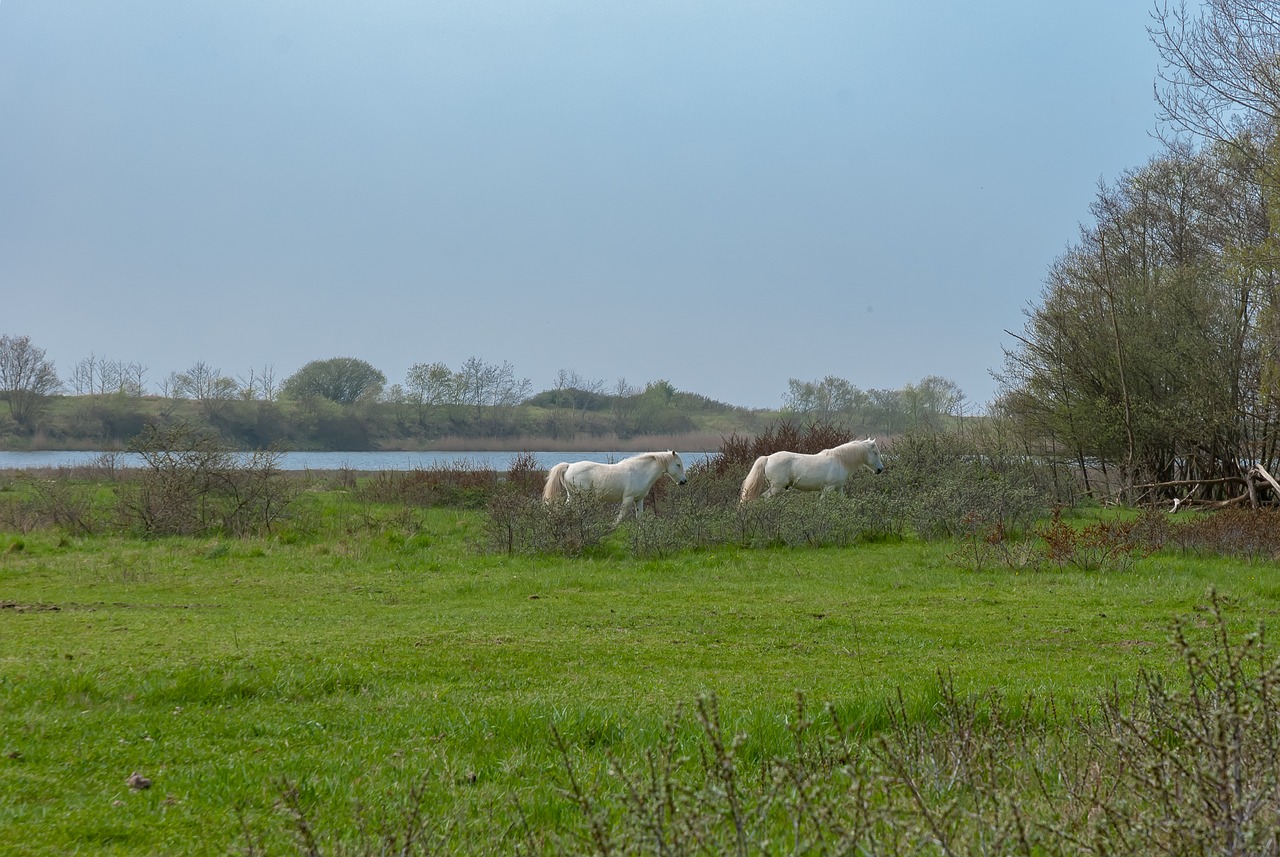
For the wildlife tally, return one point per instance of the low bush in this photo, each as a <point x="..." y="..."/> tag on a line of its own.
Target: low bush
<point x="1252" y="534"/>
<point x="518" y="522"/>
<point x="458" y="485"/>
<point x="192" y="485"/>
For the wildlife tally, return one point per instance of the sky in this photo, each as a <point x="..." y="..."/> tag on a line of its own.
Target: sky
<point x="725" y="194"/>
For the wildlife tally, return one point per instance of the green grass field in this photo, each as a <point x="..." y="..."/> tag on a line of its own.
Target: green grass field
<point x="382" y="652"/>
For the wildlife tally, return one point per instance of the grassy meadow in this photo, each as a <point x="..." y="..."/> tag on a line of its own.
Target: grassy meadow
<point x="303" y="691"/>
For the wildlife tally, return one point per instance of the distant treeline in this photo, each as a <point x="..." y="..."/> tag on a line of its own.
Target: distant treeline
<point x="344" y="403"/>
<point x="565" y="415"/>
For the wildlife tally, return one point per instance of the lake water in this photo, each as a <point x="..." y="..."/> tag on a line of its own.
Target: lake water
<point x="374" y="461"/>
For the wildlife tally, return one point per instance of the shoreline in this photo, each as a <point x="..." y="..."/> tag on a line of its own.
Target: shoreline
<point x="700" y="441"/>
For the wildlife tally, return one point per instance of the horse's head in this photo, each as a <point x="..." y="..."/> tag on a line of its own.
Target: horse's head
<point x="675" y="468"/>
<point x="873" y="456"/>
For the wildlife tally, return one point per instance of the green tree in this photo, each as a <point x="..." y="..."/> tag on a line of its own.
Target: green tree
<point x="1140" y="354"/>
<point x="430" y="386"/>
<point x="345" y="380"/>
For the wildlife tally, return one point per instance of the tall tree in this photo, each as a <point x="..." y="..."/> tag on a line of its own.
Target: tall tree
<point x="1137" y="354"/>
<point x="27" y="378"/>
<point x="1218" y="78"/>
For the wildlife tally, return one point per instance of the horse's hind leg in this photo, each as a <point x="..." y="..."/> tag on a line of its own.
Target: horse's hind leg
<point x="629" y="505"/>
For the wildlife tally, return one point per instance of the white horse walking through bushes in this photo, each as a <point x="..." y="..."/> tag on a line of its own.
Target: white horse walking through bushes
<point x="627" y="482"/>
<point x="824" y="471"/>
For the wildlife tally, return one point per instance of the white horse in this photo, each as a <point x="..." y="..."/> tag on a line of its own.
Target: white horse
<point x="824" y="471"/>
<point x="627" y="482"/>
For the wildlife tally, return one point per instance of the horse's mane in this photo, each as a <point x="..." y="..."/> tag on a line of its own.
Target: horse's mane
<point x="845" y="451"/>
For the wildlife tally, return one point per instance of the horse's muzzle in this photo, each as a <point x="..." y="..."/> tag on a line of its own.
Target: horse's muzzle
<point x="683" y="481"/>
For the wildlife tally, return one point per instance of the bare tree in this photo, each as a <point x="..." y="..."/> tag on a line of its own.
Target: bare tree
<point x="27" y="377"/>
<point x="116" y="377"/>
<point x="169" y="386"/>
<point x="625" y="401"/>
<point x="574" y="396"/>
<point x="205" y="384"/>
<point x="134" y="378"/>
<point x="268" y="385"/>
<point x="84" y="376"/>
<point x="1219" y="77"/>
<point x="247" y="387"/>
<point x="258" y="385"/>
<point x="490" y="384"/>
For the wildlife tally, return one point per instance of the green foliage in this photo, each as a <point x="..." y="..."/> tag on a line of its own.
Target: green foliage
<point x="345" y="380"/>
<point x="227" y="670"/>
<point x="1092" y="378"/>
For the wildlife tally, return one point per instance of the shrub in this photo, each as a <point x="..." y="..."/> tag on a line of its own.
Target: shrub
<point x="458" y="486"/>
<point x="943" y="484"/>
<point x="191" y="485"/>
<point x="520" y="523"/>
<point x="1244" y="533"/>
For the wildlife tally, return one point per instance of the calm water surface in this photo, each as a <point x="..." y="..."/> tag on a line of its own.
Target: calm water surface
<point x="499" y="461"/>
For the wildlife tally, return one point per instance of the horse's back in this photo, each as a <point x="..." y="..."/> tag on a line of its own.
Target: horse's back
<point x="805" y="471"/>
<point x="606" y="480"/>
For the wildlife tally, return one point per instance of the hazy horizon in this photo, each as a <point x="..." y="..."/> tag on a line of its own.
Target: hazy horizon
<point x="724" y="196"/>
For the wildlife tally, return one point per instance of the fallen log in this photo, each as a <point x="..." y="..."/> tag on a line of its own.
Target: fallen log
<point x="1176" y="483"/>
<point x="1215" y="504"/>
<point x="1259" y="470"/>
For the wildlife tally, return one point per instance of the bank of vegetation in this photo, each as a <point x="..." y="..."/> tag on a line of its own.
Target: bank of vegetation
<point x="345" y="404"/>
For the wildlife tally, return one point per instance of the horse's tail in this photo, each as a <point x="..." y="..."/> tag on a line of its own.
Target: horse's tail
<point x="555" y="488"/>
<point x="755" y="483"/>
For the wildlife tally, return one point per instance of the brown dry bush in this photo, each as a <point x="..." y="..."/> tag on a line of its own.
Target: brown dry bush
<point x="737" y="454"/>
<point x="517" y="522"/>
<point x="1097" y="546"/>
<point x="456" y="484"/>
<point x="1246" y="533"/>
<point x="191" y="485"/>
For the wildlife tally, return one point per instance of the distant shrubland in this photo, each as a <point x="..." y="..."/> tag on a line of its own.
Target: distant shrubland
<point x="344" y="403"/>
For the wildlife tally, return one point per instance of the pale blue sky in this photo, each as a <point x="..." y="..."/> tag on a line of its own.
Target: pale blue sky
<point x="722" y="194"/>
